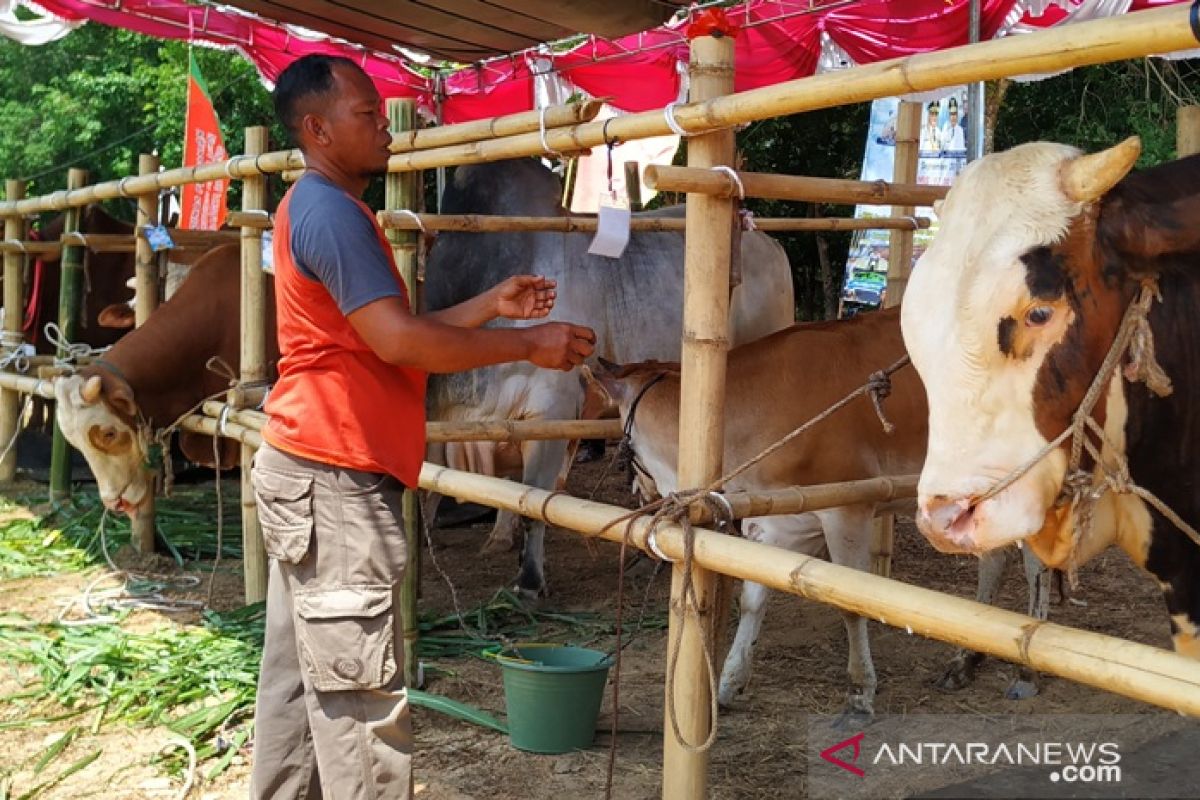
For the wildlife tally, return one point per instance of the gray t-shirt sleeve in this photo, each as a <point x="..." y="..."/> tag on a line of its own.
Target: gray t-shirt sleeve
<point x="334" y="242"/>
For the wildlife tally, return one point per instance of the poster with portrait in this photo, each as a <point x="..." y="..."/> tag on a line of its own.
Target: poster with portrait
<point x="941" y="155"/>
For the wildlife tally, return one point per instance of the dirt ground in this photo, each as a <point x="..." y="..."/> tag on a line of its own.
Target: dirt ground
<point x="761" y="749"/>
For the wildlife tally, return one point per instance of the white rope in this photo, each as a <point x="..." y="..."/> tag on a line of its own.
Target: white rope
<point x="747" y="219"/>
<point x="14" y="352"/>
<point x="72" y="351"/>
<point x="733" y="176"/>
<point x="652" y="543"/>
<point x="669" y="116"/>
<point x="542" y="132"/>
<point x="415" y="217"/>
<point x="190" y="779"/>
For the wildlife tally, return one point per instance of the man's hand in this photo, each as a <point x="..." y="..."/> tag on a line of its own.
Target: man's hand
<point x="524" y="297"/>
<point x="560" y="345"/>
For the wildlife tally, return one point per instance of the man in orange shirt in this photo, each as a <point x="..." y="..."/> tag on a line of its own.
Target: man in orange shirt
<point x="346" y="433"/>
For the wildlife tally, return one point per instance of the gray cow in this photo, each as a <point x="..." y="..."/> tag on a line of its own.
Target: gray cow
<point x="634" y="304"/>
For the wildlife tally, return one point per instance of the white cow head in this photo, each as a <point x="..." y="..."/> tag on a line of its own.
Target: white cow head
<point x="1008" y="316"/>
<point x="98" y="416"/>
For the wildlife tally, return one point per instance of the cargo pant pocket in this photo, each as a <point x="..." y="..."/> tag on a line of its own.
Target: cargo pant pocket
<point x="346" y="636"/>
<point x="285" y="511"/>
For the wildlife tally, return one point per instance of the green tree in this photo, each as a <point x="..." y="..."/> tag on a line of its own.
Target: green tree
<point x="100" y="96"/>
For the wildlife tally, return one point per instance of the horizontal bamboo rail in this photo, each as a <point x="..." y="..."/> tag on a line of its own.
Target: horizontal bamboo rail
<point x="26" y="384"/>
<point x="262" y="220"/>
<point x="486" y="430"/>
<point x="480" y="223"/>
<point x="508" y="125"/>
<point x="1157" y="30"/>
<point x="1134" y="670"/>
<point x="798" y="499"/>
<point x="791" y="187"/>
<point x="30" y="247"/>
<point x="199" y="423"/>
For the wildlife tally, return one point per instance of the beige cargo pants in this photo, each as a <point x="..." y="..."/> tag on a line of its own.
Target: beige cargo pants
<point x="332" y="718"/>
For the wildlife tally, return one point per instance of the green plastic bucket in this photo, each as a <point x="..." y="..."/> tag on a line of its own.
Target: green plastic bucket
<point x="553" y="695"/>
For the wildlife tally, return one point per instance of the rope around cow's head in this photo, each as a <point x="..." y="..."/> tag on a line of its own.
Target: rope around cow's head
<point x="1081" y="488"/>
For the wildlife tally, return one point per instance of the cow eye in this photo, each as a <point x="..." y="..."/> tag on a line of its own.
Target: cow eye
<point x="1038" y="316"/>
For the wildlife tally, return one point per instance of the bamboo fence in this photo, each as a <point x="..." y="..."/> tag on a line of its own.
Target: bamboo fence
<point x="482" y="223"/>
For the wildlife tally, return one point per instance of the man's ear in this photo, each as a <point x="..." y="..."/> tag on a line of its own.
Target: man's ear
<point x="313" y="126"/>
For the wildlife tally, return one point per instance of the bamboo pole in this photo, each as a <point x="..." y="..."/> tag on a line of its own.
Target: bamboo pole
<point x="403" y="190"/>
<point x="791" y="187"/>
<point x="1127" y="668"/>
<point x="253" y="363"/>
<point x="701" y="442"/>
<point x="27" y="384"/>
<point x="70" y="300"/>
<point x="501" y="430"/>
<point x="232" y="430"/>
<point x="481" y="223"/>
<point x="14" y="320"/>
<point x="1156" y="30"/>
<point x="256" y="218"/>
<point x="633" y="185"/>
<point x="798" y="499"/>
<point x="408" y="139"/>
<point x="146" y="275"/>
<point x="22" y="246"/>
<point x="1187" y="131"/>
<point x="900" y="252"/>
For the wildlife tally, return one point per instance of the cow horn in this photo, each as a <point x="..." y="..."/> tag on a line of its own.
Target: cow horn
<point x="1087" y="178"/>
<point x="90" y="392"/>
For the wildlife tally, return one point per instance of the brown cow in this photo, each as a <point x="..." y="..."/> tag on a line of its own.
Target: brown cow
<point x="154" y="375"/>
<point x="774" y="385"/>
<point x="104" y="284"/>
<point x="1010" y="314"/>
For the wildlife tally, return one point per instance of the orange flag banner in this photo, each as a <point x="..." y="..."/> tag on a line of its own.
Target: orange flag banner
<point x="203" y="204"/>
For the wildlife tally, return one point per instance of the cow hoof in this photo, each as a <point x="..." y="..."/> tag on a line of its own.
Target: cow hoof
<point x="499" y="544"/>
<point x="1021" y="689"/>
<point x="858" y="713"/>
<point x="530" y="596"/>
<point x="959" y="673"/>
<point x="731" y="691"/>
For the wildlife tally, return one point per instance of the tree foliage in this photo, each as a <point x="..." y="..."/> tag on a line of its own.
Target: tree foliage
<point x="101" y="96"/>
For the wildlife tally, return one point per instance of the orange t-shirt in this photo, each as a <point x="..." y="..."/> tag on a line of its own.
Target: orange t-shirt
<point x="336" y="401"/>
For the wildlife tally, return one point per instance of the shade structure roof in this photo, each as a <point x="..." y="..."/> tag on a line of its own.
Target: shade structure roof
<point x="465" y="30"/>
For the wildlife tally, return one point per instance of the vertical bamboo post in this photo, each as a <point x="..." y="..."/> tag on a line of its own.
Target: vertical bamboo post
<point x="1187" y="131"/>
<point x="701" y="442"/>
<point x="145" y="301"/>
<point x="403" y="190"/>
<point x="14" y="310"/>
<point x="900" y="252"/>
<point x="633" y="185"/>
<point x="253" y="357"/>
<point x="70" y="296"/>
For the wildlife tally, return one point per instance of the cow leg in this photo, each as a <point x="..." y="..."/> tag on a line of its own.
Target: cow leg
<point x="1038" y="578"/>
<point x="960" y="672"/>
<point x="848" y="535"/>
<point x="543" y="462"/>
<point x="800" y="534"/>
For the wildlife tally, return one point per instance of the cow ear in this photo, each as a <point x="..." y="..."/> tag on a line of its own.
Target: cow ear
<point x="120" y="397"/>
<point x="118" y="315"/>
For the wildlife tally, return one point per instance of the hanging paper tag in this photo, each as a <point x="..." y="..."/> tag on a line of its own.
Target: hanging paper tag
<point x="612" y="231"/>
<point x="268" y="255"/>
<point x="158" y="238"/>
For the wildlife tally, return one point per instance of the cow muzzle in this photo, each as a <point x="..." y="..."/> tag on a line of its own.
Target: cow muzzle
<point x="949" y="524"/>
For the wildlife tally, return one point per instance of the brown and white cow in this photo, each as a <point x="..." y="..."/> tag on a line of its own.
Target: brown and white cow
<point x="1008" y="317"/>
<point x="774" y="385"/>
<point x="154" y="375"/>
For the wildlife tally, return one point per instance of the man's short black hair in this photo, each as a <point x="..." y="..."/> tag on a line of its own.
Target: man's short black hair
<point x="304" y="77"/>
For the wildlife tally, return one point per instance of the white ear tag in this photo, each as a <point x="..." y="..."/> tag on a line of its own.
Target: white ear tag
<point x="612" y="228"/>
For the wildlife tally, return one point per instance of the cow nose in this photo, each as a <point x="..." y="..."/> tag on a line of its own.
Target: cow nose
<point x="949" y="523"/>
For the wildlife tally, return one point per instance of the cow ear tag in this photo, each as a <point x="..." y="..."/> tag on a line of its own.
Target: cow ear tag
<point x="158" y="238"/>
<point x="612" y="225"/>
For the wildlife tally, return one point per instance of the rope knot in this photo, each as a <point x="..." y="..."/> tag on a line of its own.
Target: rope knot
<point x="879" y="386"/>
